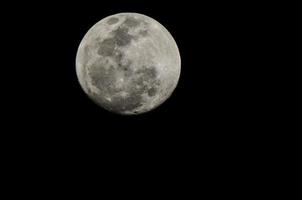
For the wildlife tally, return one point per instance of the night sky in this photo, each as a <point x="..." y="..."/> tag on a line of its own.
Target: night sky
<point x="213" y="112"/>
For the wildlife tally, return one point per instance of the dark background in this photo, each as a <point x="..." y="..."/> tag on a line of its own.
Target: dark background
<point x="212" y="124"/>
<point x="214" y="105"/>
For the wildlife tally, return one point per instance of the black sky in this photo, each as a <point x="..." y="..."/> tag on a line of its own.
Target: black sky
<point x="213" y="107"/>
<point x="214" y="130"/>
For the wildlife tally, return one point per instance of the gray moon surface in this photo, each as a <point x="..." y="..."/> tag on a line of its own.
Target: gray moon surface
<point x="128" y="63"/>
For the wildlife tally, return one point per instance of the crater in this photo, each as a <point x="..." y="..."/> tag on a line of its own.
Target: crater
<point x="121" y="104"/>
<point x="147" y="72"/>
<point x="122" y="37"/>
<point x="131" y="22"/>
<point x="102" y="78"/>
<point x="106" y="47"/>
<point x="112" y="20"/>
<point x="127" y="70"/>
<point x="152" y="91"/>
<point x="143" y="33"/>
<point x="146" y="81"/>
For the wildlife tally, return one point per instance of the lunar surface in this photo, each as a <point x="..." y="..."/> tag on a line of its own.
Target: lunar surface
<point x="128" y="63"/>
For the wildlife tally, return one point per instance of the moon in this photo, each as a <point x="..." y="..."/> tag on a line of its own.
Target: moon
<point x="128" y="63"/>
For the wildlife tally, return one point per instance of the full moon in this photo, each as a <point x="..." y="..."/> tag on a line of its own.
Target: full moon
<point x="128" y="63"/>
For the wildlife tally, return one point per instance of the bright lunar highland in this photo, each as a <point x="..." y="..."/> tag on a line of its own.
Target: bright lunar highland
<point x="128" y="63"/>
